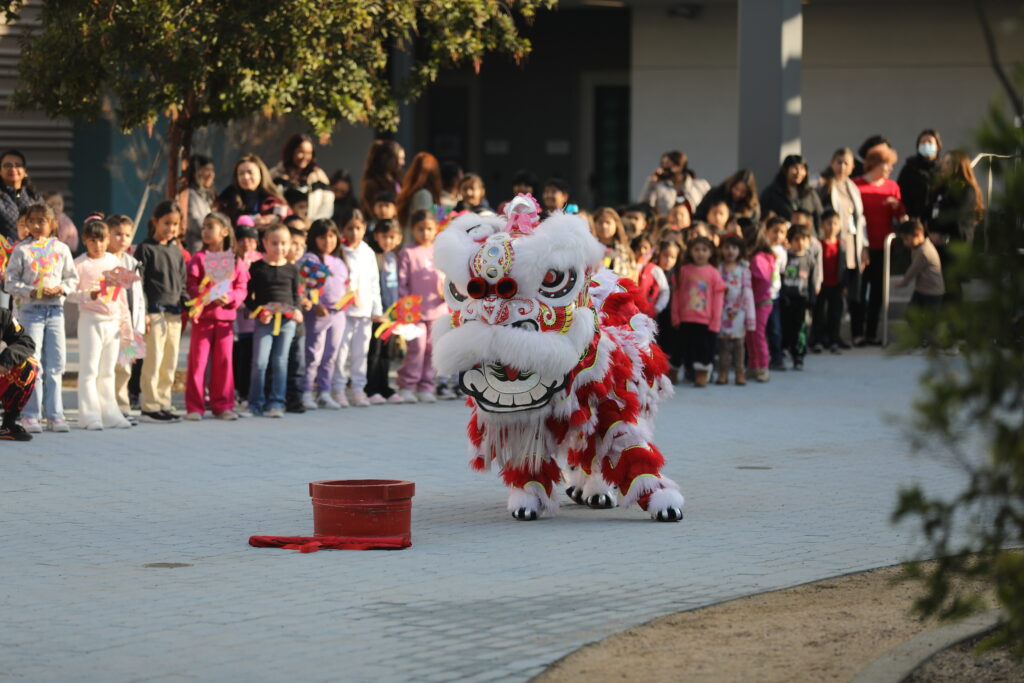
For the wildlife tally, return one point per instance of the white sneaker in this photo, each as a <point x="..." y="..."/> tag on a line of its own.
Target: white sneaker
<point x="377" y="400"/>
<point x="426" y="397"/>
<point x="446" y="394"/>
<point x="396" y="398"/>
<point x="123" y="424"/>
<point x="325" y="401"/>
<point x="32" y="425"/>
<point x="340" y="398"/>
<point x="359" y="399"/>
<point x="408" y="396"/>
<point x="57" y="424"/>
<point x="95" y="426"/>
<point x="194" y="417"/>
<point x="308" y="402"/>
<point x="274" y="412"/>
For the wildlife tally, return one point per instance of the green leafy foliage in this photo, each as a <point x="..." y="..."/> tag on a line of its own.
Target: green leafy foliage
<point x="215" y="61"/>
<point x="202" y="62"/>
<point x="972" y="413"/>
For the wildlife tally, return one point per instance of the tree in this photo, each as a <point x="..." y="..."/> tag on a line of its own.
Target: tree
<point x="972" y="413"/>
<point x="202" y="62"/>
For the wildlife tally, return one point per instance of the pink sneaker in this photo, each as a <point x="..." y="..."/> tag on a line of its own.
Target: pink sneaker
<point x="396" y="398"/>
<point x="377" y="399"/>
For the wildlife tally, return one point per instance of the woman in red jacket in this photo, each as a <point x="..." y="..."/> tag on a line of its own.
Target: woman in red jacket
<point x="883" y="209"/>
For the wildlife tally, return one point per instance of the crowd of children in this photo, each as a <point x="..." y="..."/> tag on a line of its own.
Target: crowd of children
<point x="289" y="315"/>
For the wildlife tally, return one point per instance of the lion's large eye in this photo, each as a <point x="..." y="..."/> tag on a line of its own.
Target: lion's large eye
<point x="557" y="283"/>
<point x="453" y="290"/>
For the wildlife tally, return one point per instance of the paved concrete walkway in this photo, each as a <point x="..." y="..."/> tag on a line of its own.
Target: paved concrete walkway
<point x="786" y="483"/>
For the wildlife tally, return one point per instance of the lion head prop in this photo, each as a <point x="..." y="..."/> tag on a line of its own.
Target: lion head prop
<point x="559" y="364"/>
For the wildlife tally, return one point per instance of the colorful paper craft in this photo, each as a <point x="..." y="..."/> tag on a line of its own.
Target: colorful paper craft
<point x="44" y="261"/>
<point x="219" y="273"/>
<point x="404" y="315"/>
<point x="119" y="278"/>
<point x="278" y="310"/>
<point x="132" y="349"/>
<point x="5" y="255"/>
<point x="314" y="276"/>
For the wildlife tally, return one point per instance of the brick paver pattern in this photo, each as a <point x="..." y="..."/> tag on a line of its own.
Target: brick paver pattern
<point x="785" y="483"/>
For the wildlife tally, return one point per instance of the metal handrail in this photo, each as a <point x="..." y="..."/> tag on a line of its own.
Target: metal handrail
<point x="886" y="264"/>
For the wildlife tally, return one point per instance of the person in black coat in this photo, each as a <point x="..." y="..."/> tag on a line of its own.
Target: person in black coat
<point x="918" y="176"/>
<point x="16" y="192"/>
<point x="18" y="371"/>
<point x="790" y="191"/>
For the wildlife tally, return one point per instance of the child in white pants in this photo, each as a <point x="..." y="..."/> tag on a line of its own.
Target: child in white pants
<point x="365" y="281"/>
<point x="103" y="314"/>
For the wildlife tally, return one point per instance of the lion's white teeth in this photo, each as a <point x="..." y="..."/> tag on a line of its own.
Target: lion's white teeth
<point x="491" y="395"/>
<point x="538" y="392"/>
<point x="523" y="399"/>
<point x="505" y="399"/>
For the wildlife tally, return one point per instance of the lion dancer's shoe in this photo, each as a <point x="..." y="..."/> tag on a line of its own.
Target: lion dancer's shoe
<point x="638" y="474"/>
<point x="531" y="489"/>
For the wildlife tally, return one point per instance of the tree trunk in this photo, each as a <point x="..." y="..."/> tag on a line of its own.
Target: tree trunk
<point x="173" y="155"/>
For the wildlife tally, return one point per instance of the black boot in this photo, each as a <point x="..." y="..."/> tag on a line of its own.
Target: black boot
<point x="10" y="430"/>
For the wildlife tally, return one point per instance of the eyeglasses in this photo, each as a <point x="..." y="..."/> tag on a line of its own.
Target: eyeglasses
<point x="11" y="165"/>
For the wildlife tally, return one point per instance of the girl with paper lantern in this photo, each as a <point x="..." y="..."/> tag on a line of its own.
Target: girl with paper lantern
<point x="217" y="283"/>
<point x="324" y="273"/>
<point x="103" y="319"/>
<point x="419" y="277"/>
<point x="40" y="274"/>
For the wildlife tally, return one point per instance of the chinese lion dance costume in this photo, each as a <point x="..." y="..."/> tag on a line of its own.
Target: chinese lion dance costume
<point x="557" y="360"/>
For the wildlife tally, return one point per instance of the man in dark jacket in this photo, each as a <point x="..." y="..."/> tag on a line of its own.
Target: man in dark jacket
<point x="18" y="372"/>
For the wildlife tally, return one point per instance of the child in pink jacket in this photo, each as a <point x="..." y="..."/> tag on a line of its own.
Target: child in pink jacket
<point x="418" y="276"/>
<point x="213" y="326"/>
<point x="697" y="308"/>
<point x="762" y="271"/>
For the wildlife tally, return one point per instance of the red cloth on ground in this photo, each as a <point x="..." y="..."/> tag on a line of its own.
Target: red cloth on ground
<point x="311" y="544"/>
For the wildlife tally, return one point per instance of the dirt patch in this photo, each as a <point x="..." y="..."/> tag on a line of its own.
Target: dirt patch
<point x="959" y="663"/>
<point x="824" y="631"/>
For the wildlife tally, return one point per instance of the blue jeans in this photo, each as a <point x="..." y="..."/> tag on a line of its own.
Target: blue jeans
<point x="269" y="351"/>
<point x="45" y="324"/>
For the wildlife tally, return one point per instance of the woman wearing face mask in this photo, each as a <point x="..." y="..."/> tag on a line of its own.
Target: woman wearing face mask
<point x="918" y="175"/>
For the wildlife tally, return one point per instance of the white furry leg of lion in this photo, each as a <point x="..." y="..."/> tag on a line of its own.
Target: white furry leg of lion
<point x="527" y="503"/>
<point x="666" y="505"/>
<point x="575" y="478"/>
<point x="598" y="493"/>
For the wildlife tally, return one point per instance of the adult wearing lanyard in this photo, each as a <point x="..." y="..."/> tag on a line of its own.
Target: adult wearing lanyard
<point x="839" y="193"/>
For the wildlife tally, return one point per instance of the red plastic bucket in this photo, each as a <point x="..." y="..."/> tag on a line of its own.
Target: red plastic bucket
<point x="362" y="507"/>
